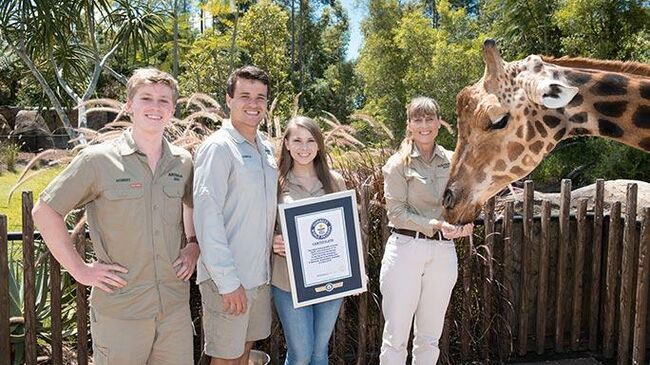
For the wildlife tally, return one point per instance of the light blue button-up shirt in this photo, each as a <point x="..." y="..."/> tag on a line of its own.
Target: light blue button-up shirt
<point x="235" y="197"/>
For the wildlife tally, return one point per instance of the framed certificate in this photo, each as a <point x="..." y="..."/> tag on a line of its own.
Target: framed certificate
<point x="323" y="245"/>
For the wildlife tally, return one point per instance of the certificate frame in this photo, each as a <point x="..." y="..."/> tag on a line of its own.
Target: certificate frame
<point x="308" y="226"/>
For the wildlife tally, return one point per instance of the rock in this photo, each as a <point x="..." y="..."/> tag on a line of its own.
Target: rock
<point x="31" y="131"/>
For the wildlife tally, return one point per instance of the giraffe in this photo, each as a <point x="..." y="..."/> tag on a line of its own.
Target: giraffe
<point x="519" y="111"/>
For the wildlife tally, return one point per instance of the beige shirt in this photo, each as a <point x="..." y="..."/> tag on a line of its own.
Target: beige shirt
<point x="235" y="198"/>
<point x="294" y="191"/>
<point x="414" y="193"/>
<point x="135" y="220"/>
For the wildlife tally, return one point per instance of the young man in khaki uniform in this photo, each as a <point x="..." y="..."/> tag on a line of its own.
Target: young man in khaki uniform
<point x="137" y="191"/>
<point x="235" y="196"/>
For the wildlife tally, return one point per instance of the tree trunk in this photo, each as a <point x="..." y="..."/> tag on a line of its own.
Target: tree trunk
<point x="56" y="104"/>
<point x="175" y="61"/>
<point x="233" y="42"/>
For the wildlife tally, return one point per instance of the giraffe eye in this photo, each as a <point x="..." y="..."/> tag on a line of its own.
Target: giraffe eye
<point x="501" y="122"/>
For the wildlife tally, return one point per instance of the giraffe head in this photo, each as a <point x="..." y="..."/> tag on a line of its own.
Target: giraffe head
<point x="507" y="122"/>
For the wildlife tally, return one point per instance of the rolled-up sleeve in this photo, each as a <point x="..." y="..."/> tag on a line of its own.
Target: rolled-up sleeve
<point x="396" y="191"/>
<point x="74" y="187"/>
<point x="212" y="169"/>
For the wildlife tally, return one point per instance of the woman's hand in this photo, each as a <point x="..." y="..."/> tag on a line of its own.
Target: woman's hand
<point x="278" y="245"/>
<point x="451" y="231"/>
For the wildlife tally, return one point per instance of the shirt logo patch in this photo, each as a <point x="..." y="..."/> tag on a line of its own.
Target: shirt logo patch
<point x="444" y="165"/>
<point x="123" y="179"/>
<point x="175" y="176"/>
<point x="136" y="185"/>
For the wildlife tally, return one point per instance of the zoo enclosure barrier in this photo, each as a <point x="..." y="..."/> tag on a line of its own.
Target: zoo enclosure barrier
<point x="541" y="285"/>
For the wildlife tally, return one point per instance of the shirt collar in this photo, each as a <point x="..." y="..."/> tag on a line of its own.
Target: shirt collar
<point x="127" y="146"/>
<point x="234" y="133"/>
<point x="293" y="180"/>
<point x="415" y="153"/>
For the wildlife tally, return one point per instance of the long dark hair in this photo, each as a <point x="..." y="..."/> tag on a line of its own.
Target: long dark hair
<point x="285" y="161"/>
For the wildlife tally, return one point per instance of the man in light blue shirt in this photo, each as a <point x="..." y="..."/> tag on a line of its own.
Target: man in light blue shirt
<point x="235" y="197"/>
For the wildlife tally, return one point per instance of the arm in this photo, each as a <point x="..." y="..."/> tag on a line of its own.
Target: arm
<point x="53" y="229"/>
<point x="189" y="255"/>
<point x="398" y="210"/>
<point x="211" y="174"/>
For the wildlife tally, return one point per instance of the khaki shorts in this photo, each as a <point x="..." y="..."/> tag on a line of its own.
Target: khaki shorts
<point x="226" y="334"/>
<point x="164" y="340"/>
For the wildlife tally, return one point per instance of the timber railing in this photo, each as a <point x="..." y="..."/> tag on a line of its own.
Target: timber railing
<point x="529" y="285"/>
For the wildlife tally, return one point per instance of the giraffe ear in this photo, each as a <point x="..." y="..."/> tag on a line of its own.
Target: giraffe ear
<point x="554" y="94"/>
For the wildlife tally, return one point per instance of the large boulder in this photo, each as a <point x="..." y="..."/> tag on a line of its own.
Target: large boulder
<point x="5" y="128"/>
<point x="31" y="131"/>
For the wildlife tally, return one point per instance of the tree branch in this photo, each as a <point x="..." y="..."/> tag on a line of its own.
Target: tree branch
<point x="59" y="77"/>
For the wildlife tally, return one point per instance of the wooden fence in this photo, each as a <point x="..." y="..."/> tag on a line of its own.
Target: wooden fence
<point x="528" y="285"/>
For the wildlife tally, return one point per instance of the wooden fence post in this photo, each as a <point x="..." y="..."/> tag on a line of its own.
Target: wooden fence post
<point x="5" y="346"/>
<point x="526" y="245"/>
<point x="597" y="243"/>
<point x="506" y="345"/>
<point x="611" y="292"/>
<point x="564" y="237"/>
<point x="466" y="316"/>
<point x="82" y="301"/>
<point x="578" y="272"/>
<point x="642" y="286"/>
<point x="627" y="276"/>
<point x="488" y="281"/>
<point x="362" y="345"/>
<point x="542" y="289"/>
<point x="29" y="278"/>
<point x="55" y="295"/>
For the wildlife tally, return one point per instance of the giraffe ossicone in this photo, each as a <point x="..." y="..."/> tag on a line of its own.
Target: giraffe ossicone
<point x="518" y="112"/>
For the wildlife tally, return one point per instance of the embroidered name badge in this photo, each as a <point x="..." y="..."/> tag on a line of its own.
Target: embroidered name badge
<point x="246" y="156"/>
<point x="175" y="176"/>
<point x="444" y="165"/>
<point x="123" y="179"/>
<point x="136" y="185"/>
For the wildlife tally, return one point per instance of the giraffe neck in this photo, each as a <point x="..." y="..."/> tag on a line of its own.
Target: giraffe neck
<point x="608" y="104"/>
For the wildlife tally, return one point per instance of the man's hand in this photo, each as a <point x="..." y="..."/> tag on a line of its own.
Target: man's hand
<point x="235" y="302"/>
<point x="102" y="276"/>
<point x="278" y="245"/>
<point x="186" y="261"/>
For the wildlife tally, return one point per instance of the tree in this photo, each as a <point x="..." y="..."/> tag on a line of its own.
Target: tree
<point x="75" y="40"/>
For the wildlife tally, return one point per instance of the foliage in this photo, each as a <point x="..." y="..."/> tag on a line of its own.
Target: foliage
<point x="9" y="156"/>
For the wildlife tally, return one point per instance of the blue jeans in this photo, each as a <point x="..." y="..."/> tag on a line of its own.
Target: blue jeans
<point x="307" y="330"/>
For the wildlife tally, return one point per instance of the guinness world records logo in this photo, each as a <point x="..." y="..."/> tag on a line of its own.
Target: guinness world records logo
<point x="321" y="228"/>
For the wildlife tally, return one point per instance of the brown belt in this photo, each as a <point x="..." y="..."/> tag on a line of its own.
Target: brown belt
<point x="416" y="234"/>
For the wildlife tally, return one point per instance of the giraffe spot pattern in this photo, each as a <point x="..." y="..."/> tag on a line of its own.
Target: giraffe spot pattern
<point x="549" y="147"/>
<point x="526" y="111"/>
<point x="530" y="131"/>
<point x="514" y="150"/>
<point x="534" y="113"/>
<point x="576" y="101"/>
<point x="645" y="90"/>
<point x="577" y="78"/>
<point x="559" y="134"/>
<point x="610" y="84"/>
<point x="540" y="128"/>
<point x="579" y="131"/>
<point x="645" y="144"/>
<point x="611" y="108"/>
<point x="480" y="176"/>
<point x="520" y="131"/>
<point x="578" y="118"/>
<point x="609" y="129"/>
<point x="517" y="170"/>
<point x="536" y="147"/>
<point x="641" y="117"/>
<point x="556" y="75"/>
<point x="500" y="165"/>
<point x="551" y="121"/>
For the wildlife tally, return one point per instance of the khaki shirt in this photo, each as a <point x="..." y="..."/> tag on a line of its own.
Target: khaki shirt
<point x="135" y="220"/>
<point x="235" y="197"/>
<point x="294" y="191"/>
<point x="414" y="193"/>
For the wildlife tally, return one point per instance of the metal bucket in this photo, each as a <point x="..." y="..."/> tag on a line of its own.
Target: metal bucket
<point x="258" y="357"/>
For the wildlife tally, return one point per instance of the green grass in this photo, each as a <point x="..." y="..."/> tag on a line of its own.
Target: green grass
<point x="12" y="209"/>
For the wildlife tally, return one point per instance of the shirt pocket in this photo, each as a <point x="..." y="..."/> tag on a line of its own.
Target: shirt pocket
<point x="173" y="204"/>
<point x="441" y="176"/>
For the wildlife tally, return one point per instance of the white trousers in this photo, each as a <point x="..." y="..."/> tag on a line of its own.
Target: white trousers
<point x="417" y="277"/>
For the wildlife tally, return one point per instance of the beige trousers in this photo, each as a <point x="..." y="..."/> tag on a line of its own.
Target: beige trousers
<point x="416" y="280"/>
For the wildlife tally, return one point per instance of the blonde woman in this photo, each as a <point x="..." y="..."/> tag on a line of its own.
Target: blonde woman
<point x="303" y="173"/>
<point x="419" y="267"/>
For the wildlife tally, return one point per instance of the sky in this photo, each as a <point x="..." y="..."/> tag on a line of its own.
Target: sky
<point x="356" y="13"/>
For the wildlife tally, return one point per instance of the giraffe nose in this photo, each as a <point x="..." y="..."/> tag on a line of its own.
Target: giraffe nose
<point x="448" y="199"/>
